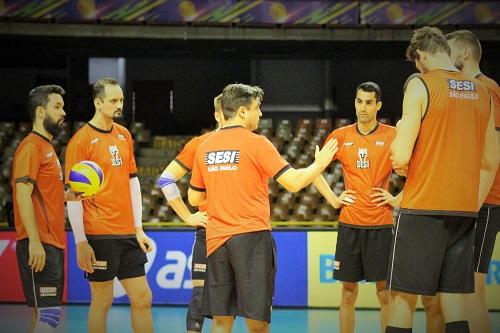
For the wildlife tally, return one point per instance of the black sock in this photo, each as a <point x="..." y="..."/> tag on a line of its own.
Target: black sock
<point x="390" y="329"/>
<point x="457" y="327"/>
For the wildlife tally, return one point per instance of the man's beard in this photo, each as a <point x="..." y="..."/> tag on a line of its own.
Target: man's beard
<point x="118" y="117"/>
<point x="52" y="126"/>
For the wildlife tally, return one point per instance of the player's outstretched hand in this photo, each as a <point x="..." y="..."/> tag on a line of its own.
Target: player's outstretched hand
<point x="86" y="257"/>
<point x="37" y="256"/>
<point x="324" y="156"/>
<point x="346" y="198"/>
<point x="382" y="197"/>
<point x="144" y="242"/>
<point x="198" y="219"/>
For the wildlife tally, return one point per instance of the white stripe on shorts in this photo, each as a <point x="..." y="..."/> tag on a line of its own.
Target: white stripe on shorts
<point x="34" y="290"/>
<point x="484" y="237"/>
<point x="394" y="251"/>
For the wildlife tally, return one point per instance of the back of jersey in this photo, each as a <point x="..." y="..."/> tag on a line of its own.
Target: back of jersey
<point x="443" y="172"/>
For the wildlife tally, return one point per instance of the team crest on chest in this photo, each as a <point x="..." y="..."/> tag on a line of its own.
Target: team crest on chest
<point x="362" y="162"/>
<point x="116" y="159"/>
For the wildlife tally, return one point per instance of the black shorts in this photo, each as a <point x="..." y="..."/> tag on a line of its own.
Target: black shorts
<point x="362" y="254"/>
<point x="240" y="277"/>
<point x="49" y="283"/>
<point x="431" y="254"/>
<point x="199" y="261"/>
<point x="122" y="258"/>
<point x="487" y="227"/>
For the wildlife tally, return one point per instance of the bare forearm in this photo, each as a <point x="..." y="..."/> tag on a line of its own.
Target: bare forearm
<point x="180" y="208"/>
<point x="27" y="212"/>
<point x="325" y="190"/>
<point x="397" y="200"/>
<point x="486" y="179"/>
<point x="306" y="176"/>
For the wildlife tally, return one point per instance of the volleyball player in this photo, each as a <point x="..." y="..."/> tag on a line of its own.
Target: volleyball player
<point x="466" y="55"/>
<point x="108" y="231"/>
<point x="449" y="170"/>
<point x="177" y="169"/>
<point x="231" y="171"/>
<point x="365" y="222"/>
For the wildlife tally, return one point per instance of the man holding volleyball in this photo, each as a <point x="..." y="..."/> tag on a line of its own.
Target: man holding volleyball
<point x="38" y="192"/>
<point x="108" y="231"/>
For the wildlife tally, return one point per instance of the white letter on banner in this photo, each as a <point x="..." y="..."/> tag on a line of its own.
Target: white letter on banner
<point x="188" y="283"/>
<point x="3" y="245"/>
<point x="176" y="268"/>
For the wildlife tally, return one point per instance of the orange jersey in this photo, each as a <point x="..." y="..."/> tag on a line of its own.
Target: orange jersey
<point x="366" y="164"/>
<point x="233" y="166"/>
<point x="493" y="197"/>
<point x="110" y="211"/>
<point x="443" y="172"/>
<point x="186" y="157"/>
<point x="35" y="161"/>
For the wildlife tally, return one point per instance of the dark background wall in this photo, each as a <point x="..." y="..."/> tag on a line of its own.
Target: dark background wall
<point x="299" y="78"/>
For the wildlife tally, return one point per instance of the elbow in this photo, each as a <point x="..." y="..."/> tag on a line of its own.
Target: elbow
<point x="192" y="201"/>
<point x="293" y="188"/>
<point x="193" y="198"/>
<point x="400" y="160"/>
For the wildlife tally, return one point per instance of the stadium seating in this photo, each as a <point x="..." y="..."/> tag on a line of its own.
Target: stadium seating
<point x="296" y="141"/>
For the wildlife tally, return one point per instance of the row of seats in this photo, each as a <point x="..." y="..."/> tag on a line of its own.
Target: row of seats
<point x="295" y="142"/>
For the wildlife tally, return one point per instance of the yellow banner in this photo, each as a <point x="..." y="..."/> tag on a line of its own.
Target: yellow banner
<point x="323" y="289"/>
<point x="493" y="279"/>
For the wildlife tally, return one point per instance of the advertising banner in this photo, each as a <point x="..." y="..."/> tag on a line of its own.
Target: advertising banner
<point x="11" y="289"/>
<point x="169" y="264"/>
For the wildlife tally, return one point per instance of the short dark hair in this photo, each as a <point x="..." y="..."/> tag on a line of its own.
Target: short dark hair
<point x="371" y="87"/>
<point x="427" y="39"/>
<point x="467" y="38"/>
<point x="39" y="96"/>
<point x="236" y="95"/>
<point x="98" y="89"/>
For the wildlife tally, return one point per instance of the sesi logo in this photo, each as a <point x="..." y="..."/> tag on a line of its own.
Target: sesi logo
<point x="222" y="157"/>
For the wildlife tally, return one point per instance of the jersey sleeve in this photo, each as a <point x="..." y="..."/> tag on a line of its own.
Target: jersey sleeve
<point x="75" y="152"/>
<point x="270" y="160"/>
<point x="27" y="164"/>
<point x="186" y="157"/>
<point x="132" y="166"/>
<point x="197" y="182"/>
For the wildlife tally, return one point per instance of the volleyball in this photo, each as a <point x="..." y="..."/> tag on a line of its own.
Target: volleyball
<point x="86" y="178"/>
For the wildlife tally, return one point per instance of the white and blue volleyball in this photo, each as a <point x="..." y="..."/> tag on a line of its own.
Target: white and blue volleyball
<point x="86" y="178"/>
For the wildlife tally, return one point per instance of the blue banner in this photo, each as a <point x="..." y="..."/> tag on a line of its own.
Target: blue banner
<point x="169" y="265"/>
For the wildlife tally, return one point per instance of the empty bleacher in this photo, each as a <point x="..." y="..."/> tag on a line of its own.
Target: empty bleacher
<point x="295" y="141"/>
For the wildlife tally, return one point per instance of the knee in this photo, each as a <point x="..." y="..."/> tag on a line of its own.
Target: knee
<point x="222" y="322"/>
<point x="383" y="297"/>
<point x="101" y="302"/>
<point x="431" y="305"/>
<point x="257" y="326"/>
<point x="403" y="300"/>
<point x="349" y="293"/>
<point x="142" y="299"/>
